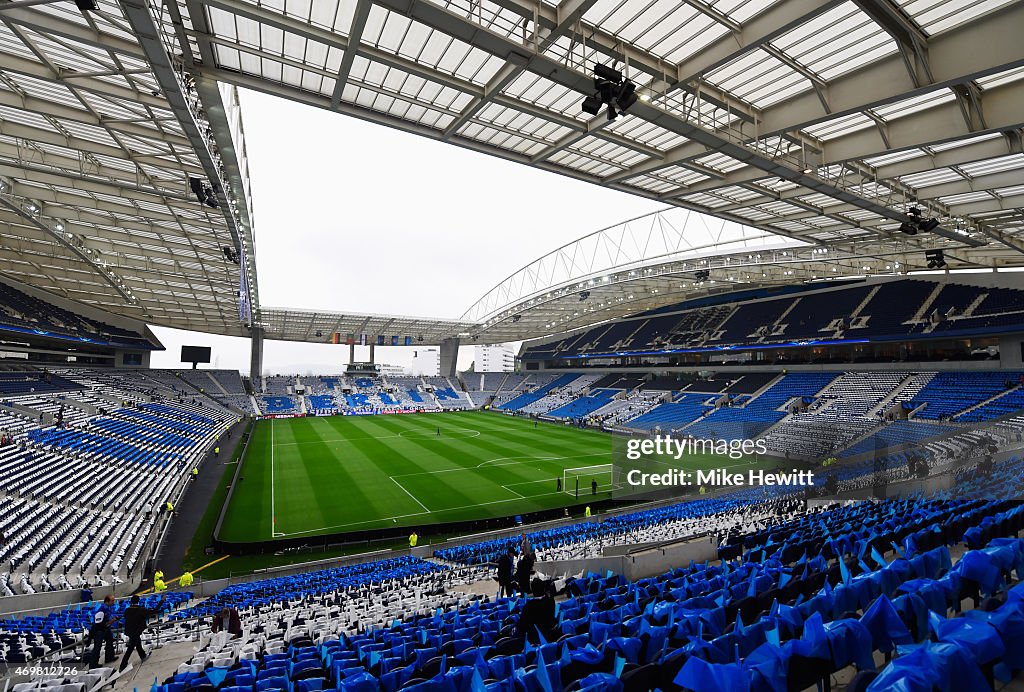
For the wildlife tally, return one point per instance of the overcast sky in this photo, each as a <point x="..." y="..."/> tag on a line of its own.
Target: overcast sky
<point x="359" y="217"/>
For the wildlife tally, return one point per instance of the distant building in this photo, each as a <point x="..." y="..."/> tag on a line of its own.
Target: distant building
<point x="493" y="358"/>
<point x="426" y="362"/>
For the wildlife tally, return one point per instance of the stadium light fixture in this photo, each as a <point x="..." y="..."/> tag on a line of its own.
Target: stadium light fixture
<point x="592" y="105"/>
<point x="203" y="192"/>
<point x="606" y="73"/>
<point x="936" y="259"/>
<point x="916" y="222"/>
<point x="611" y="89"/>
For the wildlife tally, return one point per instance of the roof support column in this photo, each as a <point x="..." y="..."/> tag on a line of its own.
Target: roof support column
<point x="448" y="357"/>
<point x="256" y="355"/>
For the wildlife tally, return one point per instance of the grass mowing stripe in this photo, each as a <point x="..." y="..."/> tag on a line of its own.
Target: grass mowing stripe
<point x="487" y="481"/>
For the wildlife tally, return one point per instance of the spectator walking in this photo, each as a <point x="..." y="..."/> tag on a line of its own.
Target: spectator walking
<point x="135" y="617"/>
<point x="101" y="633"/>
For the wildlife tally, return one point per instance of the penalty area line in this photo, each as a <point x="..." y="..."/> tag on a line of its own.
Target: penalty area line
<point x="414" y="498"/>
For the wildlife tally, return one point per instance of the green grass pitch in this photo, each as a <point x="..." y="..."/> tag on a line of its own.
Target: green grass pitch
<point x="337" y="474"/>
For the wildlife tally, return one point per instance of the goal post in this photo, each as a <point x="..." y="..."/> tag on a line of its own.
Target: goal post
<point x="603" y="474"/>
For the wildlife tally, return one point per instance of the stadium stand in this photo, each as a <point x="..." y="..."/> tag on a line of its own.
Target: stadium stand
<point x="84" y="484"/>
<point x="447" y="394"/>
<point x="950" y="393"/>
<point x="22" y="312"/>
<point x="889" y="310"/>
<point x="482" y="387"/>
<point x="537" y="392"/>
<point x="584" y="405"/>
<point x="516" y="384"/>
<point x="751" y="419"/>
<point x="273" y="404"/>
<point x="897" y="433"/>
<point x="795" y="597"/>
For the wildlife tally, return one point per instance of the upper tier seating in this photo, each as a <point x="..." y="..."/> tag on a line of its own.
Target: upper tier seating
<point x="35" y="382"/>
<point x="20" y="311"/>
<point x="883" y="310"/>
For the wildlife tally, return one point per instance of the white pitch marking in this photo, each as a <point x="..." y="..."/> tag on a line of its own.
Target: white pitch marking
<point x="409" y="494"/>
<point x="273" y="525"/>
<point x="416" y="514"/>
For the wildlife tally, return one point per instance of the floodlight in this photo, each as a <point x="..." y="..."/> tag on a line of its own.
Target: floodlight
<point x="592" y="105"/>
<point x="609" y="73"/>
<point x="908" y="227"/>
<point x="627" y="95"/>
<point x="86" y="5"/>
<point x="936" y="259"/>
<point x="928" y="225"/>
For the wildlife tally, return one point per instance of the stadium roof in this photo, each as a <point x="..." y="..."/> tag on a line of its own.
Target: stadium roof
<point x="289" y="324"/>
<point x="98" y="139"/>
<point x="820" y="122"/>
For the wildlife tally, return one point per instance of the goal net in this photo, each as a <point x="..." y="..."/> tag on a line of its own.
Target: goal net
<point x="582" y="478"/>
